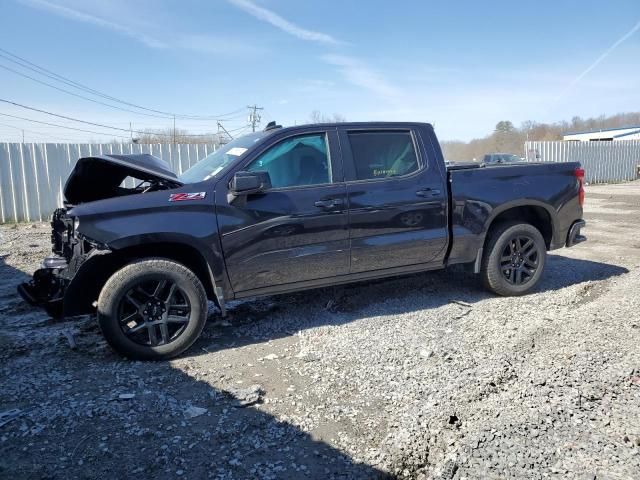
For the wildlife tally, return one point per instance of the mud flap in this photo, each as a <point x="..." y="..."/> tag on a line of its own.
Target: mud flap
<point x="220" y="301"/>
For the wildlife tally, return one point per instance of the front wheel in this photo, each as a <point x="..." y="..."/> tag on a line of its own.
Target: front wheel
<point x="152" y="309"/>
<point x="514" y="259"/>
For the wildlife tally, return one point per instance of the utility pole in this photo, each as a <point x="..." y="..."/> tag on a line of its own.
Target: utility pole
<point x="131" y="131"/>
<point x="22" y="136"/>
<point x="220" y="126"/>
<point x="254" y="116"/>
<point x="174" y="129"/>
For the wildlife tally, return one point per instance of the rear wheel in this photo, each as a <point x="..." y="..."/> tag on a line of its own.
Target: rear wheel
<point x="152" y="309"/>
<point x="514" y="259"/>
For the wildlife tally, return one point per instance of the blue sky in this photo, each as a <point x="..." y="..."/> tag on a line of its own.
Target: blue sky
<point x="462" y="65"/>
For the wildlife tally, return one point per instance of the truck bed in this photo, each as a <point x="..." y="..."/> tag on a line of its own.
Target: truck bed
<point x="470" y="165"/>
<point x="480" y="193"/>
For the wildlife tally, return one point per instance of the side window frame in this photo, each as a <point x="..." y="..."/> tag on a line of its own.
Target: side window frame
<point x="349" y="161"/>
<point x="333" y="153"/>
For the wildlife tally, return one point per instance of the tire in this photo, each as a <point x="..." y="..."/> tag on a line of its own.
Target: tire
<point x="152" y="309"/>
<point x="508" y="257"/>
<point x="54" y="309"/>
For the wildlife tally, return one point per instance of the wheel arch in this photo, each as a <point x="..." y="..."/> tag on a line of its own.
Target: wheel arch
<point x="86" y="285"/>
<point x="537" y="215"/>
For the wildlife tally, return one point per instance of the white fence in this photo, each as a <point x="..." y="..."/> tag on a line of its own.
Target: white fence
<point x="604" y="162"/>
<point x="32" y="175"/>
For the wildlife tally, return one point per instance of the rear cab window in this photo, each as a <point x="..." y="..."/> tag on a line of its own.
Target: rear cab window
<point x="382" y="154"/>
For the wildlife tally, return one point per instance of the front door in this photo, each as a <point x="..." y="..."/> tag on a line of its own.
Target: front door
<point x="297" y="231"/>
<point x="397" y="200"/>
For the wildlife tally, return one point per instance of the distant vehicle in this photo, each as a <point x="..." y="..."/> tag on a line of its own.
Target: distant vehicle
<point x="493" y="158"/>
<point x="291" y="209"/>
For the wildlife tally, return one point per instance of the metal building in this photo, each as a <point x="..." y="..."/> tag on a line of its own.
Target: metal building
<point x="605" y="135"/>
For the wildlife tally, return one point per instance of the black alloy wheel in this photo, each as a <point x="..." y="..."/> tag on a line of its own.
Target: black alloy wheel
<point x="514" y="257"/>
<point x="154" y="312"/>
<point x="519" y="261"/>
<point x="152" y="309"/>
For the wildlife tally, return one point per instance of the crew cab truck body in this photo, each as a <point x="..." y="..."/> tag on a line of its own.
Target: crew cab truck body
<point x="290" y="209"/>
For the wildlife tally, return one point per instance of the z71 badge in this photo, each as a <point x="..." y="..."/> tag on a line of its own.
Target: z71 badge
<point x="179" y="197"/>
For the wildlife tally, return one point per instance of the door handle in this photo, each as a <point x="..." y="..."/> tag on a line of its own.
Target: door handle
<point x="428" y="192"/>
<point x="329" y="203"/>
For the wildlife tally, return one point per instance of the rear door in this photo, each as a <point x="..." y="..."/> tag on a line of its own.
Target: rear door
<point x="295" y="232"/>
<point x="397" y="199"/>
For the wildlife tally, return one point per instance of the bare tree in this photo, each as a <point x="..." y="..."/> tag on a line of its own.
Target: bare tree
<point x="170" y="135"/>
<point x="319" y="117"/>
<point x="509" y="139"/>
<point x="339" y="118"/>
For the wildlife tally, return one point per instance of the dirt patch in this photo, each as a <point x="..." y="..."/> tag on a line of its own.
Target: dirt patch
<point x="426" y="376"/>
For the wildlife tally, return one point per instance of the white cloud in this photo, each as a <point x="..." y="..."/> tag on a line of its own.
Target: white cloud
<point x="216" y="45"/>
<point x="359" y="74"/>
<point x="84" y="17"/>
<point x="286" y="26"/>
<point x="354" y="71"/>
<point x="119" y="18"/>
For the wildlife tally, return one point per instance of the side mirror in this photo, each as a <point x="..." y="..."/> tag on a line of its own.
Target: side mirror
<point x="247" y="183"/>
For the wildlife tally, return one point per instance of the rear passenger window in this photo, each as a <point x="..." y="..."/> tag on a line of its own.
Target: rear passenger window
<point x="383" y="154"/>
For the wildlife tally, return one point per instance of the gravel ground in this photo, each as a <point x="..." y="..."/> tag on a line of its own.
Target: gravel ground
<point x="426" y="376"/>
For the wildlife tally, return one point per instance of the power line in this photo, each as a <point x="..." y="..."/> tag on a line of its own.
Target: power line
<point x="100" y="124"/>
<point x="41" y="134"/>
<point x="63" y="126"/>
<point x="81" y="96"/>
<point x="239" y="129"/>
<point x="221" y="127"/>
<point x="48" y="73"/>
<point x="24" y="63"/>
<point x="269" y="116"/>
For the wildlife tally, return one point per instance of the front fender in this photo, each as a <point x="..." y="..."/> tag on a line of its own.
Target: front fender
<point x="84" y="283"/>
<point x="209" y="248"/>
<point x="153" y="220"/>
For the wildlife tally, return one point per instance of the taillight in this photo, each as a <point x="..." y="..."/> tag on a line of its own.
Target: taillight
<point x="579" y="173"/>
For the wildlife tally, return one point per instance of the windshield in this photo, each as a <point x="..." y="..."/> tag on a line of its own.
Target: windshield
<point x="214" y="163"/>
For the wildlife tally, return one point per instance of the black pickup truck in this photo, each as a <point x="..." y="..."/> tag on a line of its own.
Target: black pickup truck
<point x="289" y="209"/>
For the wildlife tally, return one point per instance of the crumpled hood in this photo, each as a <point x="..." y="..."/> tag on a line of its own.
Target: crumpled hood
<point x="99" y="177"/>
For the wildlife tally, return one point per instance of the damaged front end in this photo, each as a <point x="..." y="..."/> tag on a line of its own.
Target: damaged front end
<point x="68" y="283"/>
<point x="59" y="273"/>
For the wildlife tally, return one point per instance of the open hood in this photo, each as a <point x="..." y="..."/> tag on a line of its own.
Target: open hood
<point x="101" y="176"/>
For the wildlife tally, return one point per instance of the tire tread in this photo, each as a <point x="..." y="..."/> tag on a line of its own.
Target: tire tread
<point x="492" y="278"/>
<point x="110" y="292"/>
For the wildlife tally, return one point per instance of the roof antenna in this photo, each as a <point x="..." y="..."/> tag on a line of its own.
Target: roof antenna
<point x="272" y="126"/>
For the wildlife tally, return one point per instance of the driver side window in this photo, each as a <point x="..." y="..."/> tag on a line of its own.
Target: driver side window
<point x="302" y="160"/>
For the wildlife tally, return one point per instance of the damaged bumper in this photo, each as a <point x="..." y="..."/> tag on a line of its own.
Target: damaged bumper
<point x="62" y="278"/>
<point x="60" y="287"/>
<point x="46" y="288"/>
